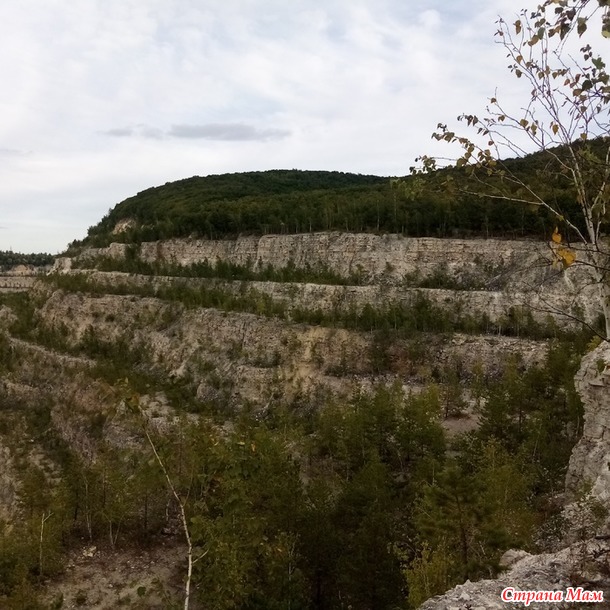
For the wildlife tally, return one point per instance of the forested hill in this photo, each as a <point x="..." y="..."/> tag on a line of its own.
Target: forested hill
<point x="293" y="201"/>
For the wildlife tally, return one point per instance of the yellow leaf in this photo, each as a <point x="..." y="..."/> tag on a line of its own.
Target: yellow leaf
<point x="556" y="237"/>
<point x="567" y="256"/>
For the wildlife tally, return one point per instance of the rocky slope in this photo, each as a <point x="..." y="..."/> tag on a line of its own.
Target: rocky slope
<point x="250" y="350"/>
<point x="583" y="565"/>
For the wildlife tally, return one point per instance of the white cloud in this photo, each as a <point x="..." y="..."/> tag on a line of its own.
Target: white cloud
<point x="106" y="97"/>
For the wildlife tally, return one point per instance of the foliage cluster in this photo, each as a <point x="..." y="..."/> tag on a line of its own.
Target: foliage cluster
<point x="9" y="259"/>
<point x="291" y="201"/>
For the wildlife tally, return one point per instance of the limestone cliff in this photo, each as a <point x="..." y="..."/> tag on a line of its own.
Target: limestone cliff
<point x="374" y="258"/>
<point x="590" y="461"/>
<point x="492" y="276"/>
<point x="258" y="356"/>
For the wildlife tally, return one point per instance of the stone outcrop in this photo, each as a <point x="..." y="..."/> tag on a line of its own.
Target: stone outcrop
<point x="579" y="565"/>
<point x="588" y="477"/>
<point x="590" y="460"/>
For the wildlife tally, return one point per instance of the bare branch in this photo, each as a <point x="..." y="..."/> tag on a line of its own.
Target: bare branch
<point x="566" y="109"/>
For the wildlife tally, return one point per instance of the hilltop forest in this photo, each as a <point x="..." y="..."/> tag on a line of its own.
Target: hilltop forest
<point x="292" y="201"/>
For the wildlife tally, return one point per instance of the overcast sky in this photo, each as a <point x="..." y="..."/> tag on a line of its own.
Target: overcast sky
<point x="104" y="98"/>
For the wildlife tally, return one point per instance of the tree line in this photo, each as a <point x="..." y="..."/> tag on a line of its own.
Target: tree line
<point x="291" y="201"/>
<point x="9" y="259"/>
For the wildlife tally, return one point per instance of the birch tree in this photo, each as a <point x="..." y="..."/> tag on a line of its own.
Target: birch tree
<point x="565" y="116"/>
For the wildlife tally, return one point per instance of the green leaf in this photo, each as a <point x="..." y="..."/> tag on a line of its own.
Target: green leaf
<point x="598" y="63"/>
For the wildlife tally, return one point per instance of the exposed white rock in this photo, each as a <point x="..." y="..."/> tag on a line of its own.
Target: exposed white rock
<point x="259" y="354"/>
<point x="124" y="225"/>
<point x="496" y="305"/>
<point x="588" y="476"/>
<point x="589" y="463"/>
<point x="520" y="268"/>
<point x="511" y="557"/>
<point x="581" y="564"/>
<point x="62" y="264"/>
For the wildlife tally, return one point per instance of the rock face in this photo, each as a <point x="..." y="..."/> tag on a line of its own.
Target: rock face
<point x="491" y="275"/>
<point x="344" y="253"/>
<point x="260" y="355"/>
<point x="370" y="255"/>
<point x="495" y="305"/>
<point x="588" y="476"/>
<point x="590" y="459"/>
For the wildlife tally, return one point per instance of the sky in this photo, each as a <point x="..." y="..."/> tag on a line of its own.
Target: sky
<point x="104" y="98"/>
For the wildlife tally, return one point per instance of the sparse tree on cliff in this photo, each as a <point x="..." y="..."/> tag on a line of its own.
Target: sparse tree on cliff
<point x="566" y="116"/>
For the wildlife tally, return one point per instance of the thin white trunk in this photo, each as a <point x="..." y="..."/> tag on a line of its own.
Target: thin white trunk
<point x="183" y="518"/>
<point x="43" y="519"/>
<point x="600" y="263"/>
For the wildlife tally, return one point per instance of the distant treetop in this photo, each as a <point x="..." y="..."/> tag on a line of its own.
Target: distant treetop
<point x="9" y="259"/>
